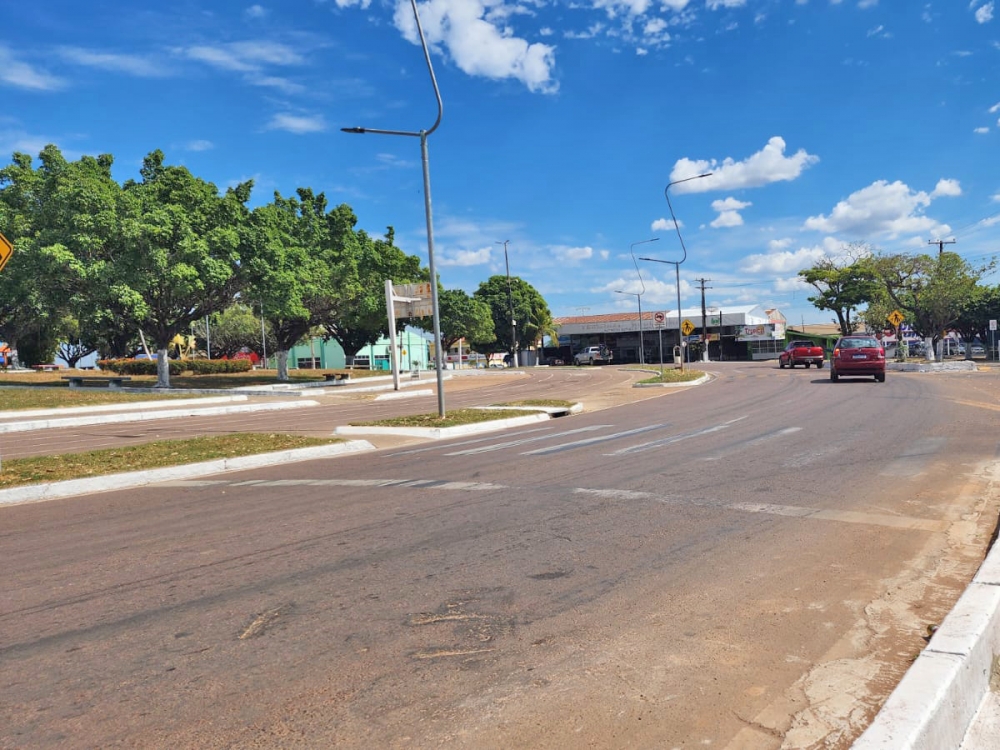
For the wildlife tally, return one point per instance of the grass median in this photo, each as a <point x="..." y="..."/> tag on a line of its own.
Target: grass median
<point x="156" y="455"/>
<point x="674" y="375"/>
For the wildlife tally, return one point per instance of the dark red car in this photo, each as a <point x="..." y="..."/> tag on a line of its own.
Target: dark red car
<point x="858" y="355"/>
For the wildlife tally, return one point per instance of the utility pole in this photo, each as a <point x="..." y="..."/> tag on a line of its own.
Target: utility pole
<point x="940" y="244"/>
<point x="704" y="330"/>
<point x="510" y="302"/>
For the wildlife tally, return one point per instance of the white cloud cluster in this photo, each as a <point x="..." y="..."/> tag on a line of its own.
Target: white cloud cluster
<point x="14" y="72"/>
<point x="762" y="168"/>
<point x="298" y="124"/>
<point x="467" y="257"/>
<point x="984" y="13"/>
<point x="572" y="254"/>
<point x="729" y="212"/>
<point x="884" y="208"/>
<point x="133" y="65"/>
<point x="662" y="225"/>
<point x="476" y="46"/>
<point x="781" y="260"/>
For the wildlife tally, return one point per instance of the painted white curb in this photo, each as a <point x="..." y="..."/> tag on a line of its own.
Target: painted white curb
<point x="145" y="416"/>
<point x="935" y="702"/>
<point x="440" y="433"/>
<point x="34" y="493"/>
<point x="404" y="394"/>
<point x="120" y="406"/>
<point x="703" y="379"/>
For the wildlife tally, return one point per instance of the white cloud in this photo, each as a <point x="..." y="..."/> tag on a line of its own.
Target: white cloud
<point x="729" y="215"/>
<point x="199" y="145"/>
<point x="572" y="254"/>
<point x="297" y="124"/>
<point x="244" y="57"/>
<point x="867" y="3"/>
<point x="467" y="257"/>
<point x="477" y="47"/>
<point x="255" y="11"/>
<point x="13" y="72"/>
<point x="545" y="31"/>
<point x="762" y="168"/>
<point x="775" y="245"/>
<point x="948" y="188"/>
<point x="984" y="13"/>
<point x="784" y="261"/>
<point x="882" y="208"/>
<point x="981" y="130"/>
<point x="996" y="198"/>
<point x="128" y="64"/>
<point x="716" y="4"/>
<point x="662" y="225"/>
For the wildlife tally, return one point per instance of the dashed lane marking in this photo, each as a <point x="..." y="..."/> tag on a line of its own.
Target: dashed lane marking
<point x="593" y="440"/>
<point x="675" y="439"/>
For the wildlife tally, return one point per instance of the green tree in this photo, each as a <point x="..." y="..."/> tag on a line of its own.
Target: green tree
<point x="299" y="277"/>
<point x="974" y="320"/>
<point x="236" y="329"/>
<point x="531" y="314"/>
<point x="930" y="291"/>
<point x="183" y="252"/>
<point x="462" y="317"/>
<point x="361" y="317"/>
<point x="842" y="288"/>
<point x="43" y="275"/>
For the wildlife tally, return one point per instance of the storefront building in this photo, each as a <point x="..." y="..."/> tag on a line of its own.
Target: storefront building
<point x="747" y="332"/>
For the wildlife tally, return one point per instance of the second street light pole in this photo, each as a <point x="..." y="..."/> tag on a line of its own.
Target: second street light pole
<point x="510" y="304"/>
<point x="422" y="134"/>
<point x="631" y="249"/>
<point x="677" y="263"/>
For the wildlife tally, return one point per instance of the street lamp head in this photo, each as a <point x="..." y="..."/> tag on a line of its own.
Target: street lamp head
<point x="353" y="130"/>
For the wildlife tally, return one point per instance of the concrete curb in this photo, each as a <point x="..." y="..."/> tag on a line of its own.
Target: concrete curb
<point x="703" y="379"/>
<point x="441" y="433"/>
<point x="120" y="406"/>
<point x="961" y="366"/>
<point x="145" y="416"/>
<point x="937" y="699"/>
<point x="34" y="493"/>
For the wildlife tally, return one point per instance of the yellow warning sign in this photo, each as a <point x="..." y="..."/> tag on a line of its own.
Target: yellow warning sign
<point x="687" y="326"/>
<point x="6" y="250"/>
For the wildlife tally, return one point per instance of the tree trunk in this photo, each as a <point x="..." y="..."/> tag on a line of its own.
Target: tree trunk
<point x="162" y="369"/>
<point x="929" y="352"/>
<point x="283" y="364"/>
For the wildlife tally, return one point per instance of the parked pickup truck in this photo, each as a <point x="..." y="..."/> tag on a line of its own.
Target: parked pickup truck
<point x="801" y="353"/>
<point x="593" y="355"/>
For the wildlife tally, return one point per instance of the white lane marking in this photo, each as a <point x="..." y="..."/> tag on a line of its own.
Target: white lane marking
<point x="513" y="443"/>
<point x="641" y="447"/>
<point x="617" y="494"/>
<point x="844" y="516"/>
<point x="467" y="442"/>
<point x="592" y="441"/>
<point x="750" y="443"/>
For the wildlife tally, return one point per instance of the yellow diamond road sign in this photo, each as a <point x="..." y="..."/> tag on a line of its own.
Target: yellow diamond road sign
<point x="896" y="317"/>
<point x="687" y="326"/>
<point x="6" y="250"/>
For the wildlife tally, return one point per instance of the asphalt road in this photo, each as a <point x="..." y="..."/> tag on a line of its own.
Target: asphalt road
<point x="751" y="563"/>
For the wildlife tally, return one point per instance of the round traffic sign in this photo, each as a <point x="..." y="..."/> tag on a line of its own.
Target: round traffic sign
<point x="659" y="317"/>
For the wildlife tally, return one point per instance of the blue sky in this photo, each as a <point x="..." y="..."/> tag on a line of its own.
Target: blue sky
<point x="824" y="122"/>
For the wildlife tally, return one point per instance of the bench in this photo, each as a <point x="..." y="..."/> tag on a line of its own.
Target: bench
<point x="338" y="378"/>
<point x="112" y="381"/>
<point x="44" y="368"/>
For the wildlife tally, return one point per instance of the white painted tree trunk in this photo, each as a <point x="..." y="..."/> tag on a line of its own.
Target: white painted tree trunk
<point x="162" y="369"/>
<point x="929" y="349"/>
<point x="283" y="364"/>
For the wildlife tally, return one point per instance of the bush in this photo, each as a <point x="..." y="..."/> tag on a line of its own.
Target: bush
<point x="177" y="366"/>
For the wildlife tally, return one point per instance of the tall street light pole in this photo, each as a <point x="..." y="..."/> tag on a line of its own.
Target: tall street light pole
<point x="638" y="297"/>
<point x="510" y="304"/>
<point x="677" y="263"/>
<point x="631" y="249"/>
<point x="422" y="135"/>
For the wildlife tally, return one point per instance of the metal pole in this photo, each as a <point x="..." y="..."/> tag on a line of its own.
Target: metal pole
<point x="631" y="249"/>
<point x="660" y="331"/>
<point x="263" y="335"/>
<point x="510" y="304"/>
<point x="677" y="263"/>
<point x="422" y="134"/>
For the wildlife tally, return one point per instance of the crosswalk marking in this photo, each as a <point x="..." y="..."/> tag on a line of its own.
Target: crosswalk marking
<point x="593" y="440"/>
<point x="675" y="439"/>
<point x="515" y="443"/>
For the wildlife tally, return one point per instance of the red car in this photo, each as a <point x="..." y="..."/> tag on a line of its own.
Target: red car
<point x="859" y="354"/>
